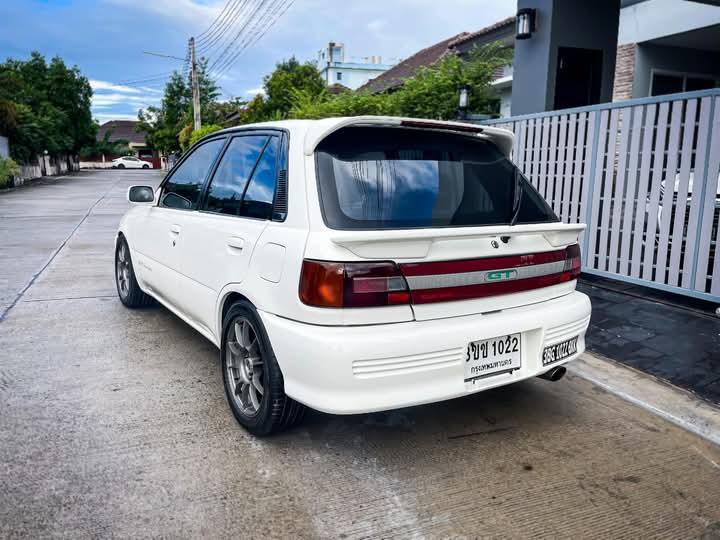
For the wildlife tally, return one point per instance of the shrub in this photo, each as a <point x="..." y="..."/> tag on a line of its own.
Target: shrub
<point x="8" y="169"/>
<point x="200" y="133"/>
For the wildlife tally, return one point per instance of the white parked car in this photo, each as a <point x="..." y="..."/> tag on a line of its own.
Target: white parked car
<point x="357" y="264"/>
<point x="129" y="162"/>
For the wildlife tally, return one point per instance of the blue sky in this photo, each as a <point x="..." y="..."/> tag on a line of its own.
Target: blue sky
<point x="106" y="38"/>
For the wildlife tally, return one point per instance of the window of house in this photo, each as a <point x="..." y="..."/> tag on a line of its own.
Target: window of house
<point x="674" y="83"/>
<point x="339" y="75"/>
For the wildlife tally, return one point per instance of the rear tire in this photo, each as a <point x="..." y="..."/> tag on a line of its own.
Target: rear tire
<point x="254" y="384"/>
<point x="130" y="293"/>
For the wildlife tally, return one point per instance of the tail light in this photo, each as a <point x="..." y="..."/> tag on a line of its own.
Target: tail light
<point x="448" y="281"/>
<point x="572" y="262"/>
<point x="343" y="285"/>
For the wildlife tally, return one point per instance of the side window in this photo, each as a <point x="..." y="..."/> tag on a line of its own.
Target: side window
<point x="182" y="190"/>
<point x="228" y="184"/>
<point x="259" y="195"/>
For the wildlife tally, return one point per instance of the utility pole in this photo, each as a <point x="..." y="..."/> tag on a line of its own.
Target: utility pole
<point x="197" y="124"/>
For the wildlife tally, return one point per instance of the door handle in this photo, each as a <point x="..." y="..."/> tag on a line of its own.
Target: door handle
<point x="175" y="229"/>
<point x="236" y="242"/>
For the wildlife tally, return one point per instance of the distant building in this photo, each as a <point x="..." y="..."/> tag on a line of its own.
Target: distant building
<point x="351" y="74"/>
<point x="501" y="32"/>
<point x="126" y="130"/>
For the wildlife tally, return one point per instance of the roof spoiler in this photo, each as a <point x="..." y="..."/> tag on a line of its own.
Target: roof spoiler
<point x="502" y="138"/>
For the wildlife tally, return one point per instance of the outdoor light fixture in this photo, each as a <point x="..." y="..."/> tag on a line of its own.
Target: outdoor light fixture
<point x="525" y="23"/>
<point x="463" y="101"/>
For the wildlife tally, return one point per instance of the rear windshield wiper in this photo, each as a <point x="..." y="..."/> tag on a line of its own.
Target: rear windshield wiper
<point x="517" y="197"/>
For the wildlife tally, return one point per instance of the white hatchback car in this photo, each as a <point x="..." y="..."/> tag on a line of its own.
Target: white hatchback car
<point x="129" y="162"/>
<point x="357" y="264"/>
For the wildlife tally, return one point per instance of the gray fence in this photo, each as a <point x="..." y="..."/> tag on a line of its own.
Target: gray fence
<point x="644" y="175"/>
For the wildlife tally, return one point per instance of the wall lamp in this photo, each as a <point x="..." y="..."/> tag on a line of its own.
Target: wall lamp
<point x="463" y="101"/>
<point x="524" y="23"/>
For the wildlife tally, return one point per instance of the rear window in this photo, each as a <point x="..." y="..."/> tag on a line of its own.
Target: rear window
<point x="387" y="178"/>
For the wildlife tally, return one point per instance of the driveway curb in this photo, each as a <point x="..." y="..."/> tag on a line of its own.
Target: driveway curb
<point x="674" y="404"/>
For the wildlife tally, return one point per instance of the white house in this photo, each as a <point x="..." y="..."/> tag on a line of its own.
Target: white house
<point x="351" y="74"/>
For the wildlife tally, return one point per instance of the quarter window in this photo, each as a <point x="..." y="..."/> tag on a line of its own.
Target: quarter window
<point x="228" y="184"/>
<point x="182" y="190"/>
<point x="258" y="200"/>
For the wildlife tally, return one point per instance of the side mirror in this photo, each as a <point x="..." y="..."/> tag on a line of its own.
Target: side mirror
<point x="141" y="194"/>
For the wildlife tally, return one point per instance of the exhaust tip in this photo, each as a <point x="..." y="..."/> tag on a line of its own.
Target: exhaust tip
<point x="555" y="374"/>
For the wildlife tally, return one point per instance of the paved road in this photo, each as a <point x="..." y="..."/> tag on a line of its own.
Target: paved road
<point x="114" y="422"/>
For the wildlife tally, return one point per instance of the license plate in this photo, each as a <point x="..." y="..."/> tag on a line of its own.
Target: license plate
<point x="492" y="356"/>
<point x="559" y="351"/>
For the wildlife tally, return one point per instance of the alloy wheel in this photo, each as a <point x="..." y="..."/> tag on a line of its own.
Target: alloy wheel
<point x="122" y="269"/>
<point x="245" y="366"/>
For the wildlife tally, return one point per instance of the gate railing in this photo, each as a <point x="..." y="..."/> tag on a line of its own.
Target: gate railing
<point x="643" y="174"/>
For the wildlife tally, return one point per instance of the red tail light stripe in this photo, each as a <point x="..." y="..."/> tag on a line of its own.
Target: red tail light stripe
<point x="448" y="294"/>
<point x="479" y="265"/>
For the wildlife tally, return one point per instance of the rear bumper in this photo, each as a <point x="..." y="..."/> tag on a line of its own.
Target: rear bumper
<point x="348" y="370"/>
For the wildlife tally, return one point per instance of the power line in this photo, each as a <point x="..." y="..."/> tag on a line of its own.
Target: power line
<point x="216" y="20"/>
<point x="222" y="28"/>
<point x="251" y="20"/>
<point x="149" y="78"/>
<point x="258" y="31"/>
<point x="164" y="55"/>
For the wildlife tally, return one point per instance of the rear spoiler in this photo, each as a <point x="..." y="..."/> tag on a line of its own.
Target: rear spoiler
<point x="399" y="242"/>
<point x="320" y="129"/>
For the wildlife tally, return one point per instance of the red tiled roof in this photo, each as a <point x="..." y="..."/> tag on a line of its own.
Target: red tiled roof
<point x="121" y="130"/>
<point x="396" y="75"/>
<point x="510" y="21"/>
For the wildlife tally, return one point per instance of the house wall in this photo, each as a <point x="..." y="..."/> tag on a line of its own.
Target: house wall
<point x="353" y="76"/>
<point x="4" y="147"/>
<point x="505" y="102"/>
<point x="675" y="59"/>
<point x="562" y="23"/>
<point x="653" y="19"/>
<point x="624" y="72"/>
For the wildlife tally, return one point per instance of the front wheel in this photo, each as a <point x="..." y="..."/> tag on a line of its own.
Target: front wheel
<point x="253" y="381"/>
<point x="128" y="289"/>
<point x="121" y="166"/>
<point x="146" y="166"/>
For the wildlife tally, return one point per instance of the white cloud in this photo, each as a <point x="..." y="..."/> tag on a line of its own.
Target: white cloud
<point x="105" y="85"/>
<point x="376" y="25"/>
<point x="111" y="116"/>
<point x="150" y="90"/>
<point x="194" y="14"/>
<point x="100" y="100"/>
<point x="255" y="91"/>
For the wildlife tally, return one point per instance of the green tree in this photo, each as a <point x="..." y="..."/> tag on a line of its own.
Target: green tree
<point x="289" y="77"/>
<point x="431" y="93"/>
<point x="200" y="133"/>
<point x="163" y="124"/>
<point x="44" y="107"/>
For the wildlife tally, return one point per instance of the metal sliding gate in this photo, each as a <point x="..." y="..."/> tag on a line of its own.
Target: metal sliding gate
<point x="644" y="175"/>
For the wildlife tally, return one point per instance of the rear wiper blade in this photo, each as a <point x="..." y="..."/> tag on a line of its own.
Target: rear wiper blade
<point x="517" y="198"/>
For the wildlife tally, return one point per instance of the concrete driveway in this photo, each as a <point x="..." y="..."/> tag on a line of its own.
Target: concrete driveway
<point x="114" y="423"/>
